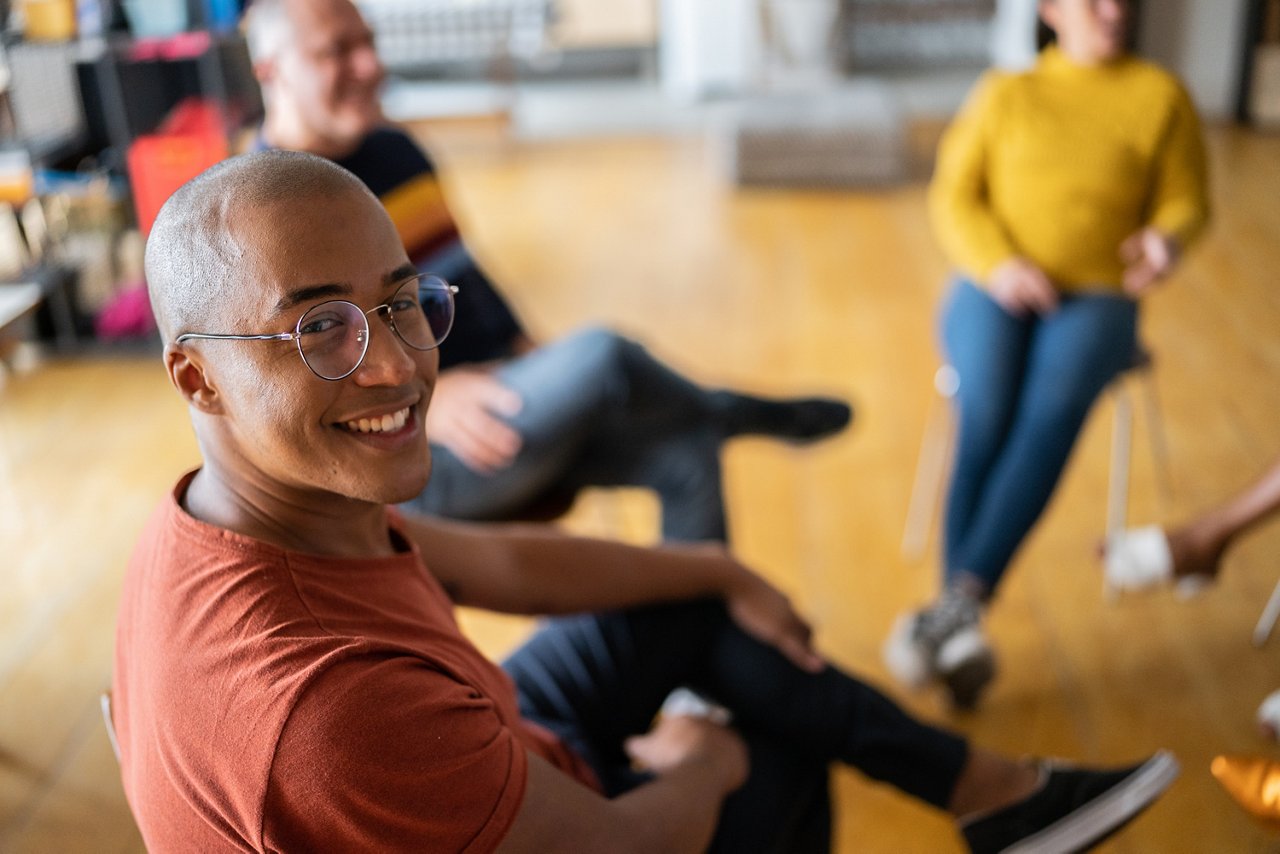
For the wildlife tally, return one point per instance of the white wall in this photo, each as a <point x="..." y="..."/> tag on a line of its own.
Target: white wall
<point x="1013" y="34"/>
<point x="1201" y="42"/>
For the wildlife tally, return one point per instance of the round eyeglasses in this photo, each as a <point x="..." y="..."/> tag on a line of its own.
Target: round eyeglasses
<point x="333" y="337"/>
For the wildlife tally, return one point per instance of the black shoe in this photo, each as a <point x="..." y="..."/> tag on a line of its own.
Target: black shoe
<point x="806" y="419"/>
<point x="1073" y="810"/>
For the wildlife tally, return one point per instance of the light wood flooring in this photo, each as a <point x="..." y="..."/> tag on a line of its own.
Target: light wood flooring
<point x="774" y="291"/>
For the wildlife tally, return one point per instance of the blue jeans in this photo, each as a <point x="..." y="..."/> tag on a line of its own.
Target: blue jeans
<point x="598" y="411"/>
<point x="1026" y="385"/>
<point x="594" y="680"/>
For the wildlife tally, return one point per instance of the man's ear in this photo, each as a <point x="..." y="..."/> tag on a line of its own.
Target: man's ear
<point x="264" y="71"/>
<point x="192" y="381"/>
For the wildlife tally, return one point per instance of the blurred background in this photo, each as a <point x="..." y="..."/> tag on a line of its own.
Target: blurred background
<point x="739" y="184"/>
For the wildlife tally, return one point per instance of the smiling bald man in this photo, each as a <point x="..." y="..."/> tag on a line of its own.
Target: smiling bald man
<point x="289" y="674"/>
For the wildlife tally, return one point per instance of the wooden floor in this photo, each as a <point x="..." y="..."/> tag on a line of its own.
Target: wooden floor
<point x="776" y="292"/>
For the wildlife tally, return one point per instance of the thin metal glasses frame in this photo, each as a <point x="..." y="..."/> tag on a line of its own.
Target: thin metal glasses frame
<point x="425" y="282"/>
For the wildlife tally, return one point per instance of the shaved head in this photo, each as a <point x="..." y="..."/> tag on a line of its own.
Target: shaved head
<point x="194" y="254"/>
<point x="239" y="255"/>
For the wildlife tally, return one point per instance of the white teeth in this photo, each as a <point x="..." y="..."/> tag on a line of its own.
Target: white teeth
<point x="384" y="424"/>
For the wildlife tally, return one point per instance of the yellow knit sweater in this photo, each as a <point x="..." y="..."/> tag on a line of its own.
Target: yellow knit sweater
<point x="1061" y="163"/>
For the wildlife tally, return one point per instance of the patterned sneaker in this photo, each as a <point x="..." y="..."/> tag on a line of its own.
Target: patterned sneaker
<point x="1073" y="810"/>
<point x="945" y="643"/>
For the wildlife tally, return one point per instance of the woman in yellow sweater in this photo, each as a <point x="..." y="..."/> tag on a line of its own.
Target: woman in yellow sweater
<point x="1061" y="195"/>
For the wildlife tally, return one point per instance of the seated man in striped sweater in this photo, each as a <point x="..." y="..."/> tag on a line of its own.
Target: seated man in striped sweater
<point x="514" y="425"/>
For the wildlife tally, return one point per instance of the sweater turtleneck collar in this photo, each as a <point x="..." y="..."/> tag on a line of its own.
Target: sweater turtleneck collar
<point x="1054" y="60"/>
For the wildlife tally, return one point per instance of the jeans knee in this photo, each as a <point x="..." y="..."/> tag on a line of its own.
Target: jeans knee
<point x="602" y="348"/>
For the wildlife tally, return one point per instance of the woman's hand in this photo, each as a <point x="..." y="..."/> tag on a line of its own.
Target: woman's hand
<point x="1022" y="288"/>
<point x="1149" y="255"/>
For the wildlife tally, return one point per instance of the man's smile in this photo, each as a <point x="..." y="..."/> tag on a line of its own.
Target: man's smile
<point x="388" y="422"/>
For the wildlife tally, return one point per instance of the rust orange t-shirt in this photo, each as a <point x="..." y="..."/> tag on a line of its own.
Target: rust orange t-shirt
<point x="267" y="700"/>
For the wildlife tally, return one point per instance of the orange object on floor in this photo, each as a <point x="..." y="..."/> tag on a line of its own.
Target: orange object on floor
<point x="1254" y="783"/>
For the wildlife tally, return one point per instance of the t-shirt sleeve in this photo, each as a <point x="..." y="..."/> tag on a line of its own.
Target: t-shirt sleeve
<point x="392" y="755"/>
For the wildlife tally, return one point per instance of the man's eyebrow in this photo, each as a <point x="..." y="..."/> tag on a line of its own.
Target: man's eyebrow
<point x="307" y="293"/>
<point x="399" y="274"/>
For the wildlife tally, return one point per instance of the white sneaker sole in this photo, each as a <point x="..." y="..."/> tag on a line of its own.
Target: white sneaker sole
<point x="903" y="657"/>
<point x="1094" y="822"/>
<point x="1269" y="715"/>
<point x="966" y="665"/>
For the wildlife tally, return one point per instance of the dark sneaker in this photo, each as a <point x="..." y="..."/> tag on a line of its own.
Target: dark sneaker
<point x="805" y="419"/>
<point x="1073" y="810"/>
<point x="943" y="643"/>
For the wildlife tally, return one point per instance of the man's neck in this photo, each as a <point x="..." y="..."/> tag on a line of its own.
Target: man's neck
<point x="310" y="521"/>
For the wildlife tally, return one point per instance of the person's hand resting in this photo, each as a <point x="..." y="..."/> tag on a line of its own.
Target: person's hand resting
<point x="1148" y="255"/>
<point x="763" y="612"/>
<point x="1022" y="288"/>
<point x="677" y="741"/>
<point x="464" y="417"/>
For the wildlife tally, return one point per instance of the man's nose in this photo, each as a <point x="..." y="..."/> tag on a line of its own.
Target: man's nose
<point x="387" y="361"/>
<point x="365" y="62"/>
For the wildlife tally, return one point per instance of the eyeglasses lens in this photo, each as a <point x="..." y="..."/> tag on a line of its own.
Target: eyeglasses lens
<point x="333" y="338"/>
<point x="437" y="306"/>
<point x="335" y="335"/>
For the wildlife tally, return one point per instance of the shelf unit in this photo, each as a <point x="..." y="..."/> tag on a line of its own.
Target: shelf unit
<point x="1258" y="91"/>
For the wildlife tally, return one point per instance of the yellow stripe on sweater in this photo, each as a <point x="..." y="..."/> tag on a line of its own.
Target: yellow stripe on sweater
<point x="418" y="209"/>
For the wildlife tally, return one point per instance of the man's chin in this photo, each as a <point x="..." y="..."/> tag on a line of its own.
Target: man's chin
<point x="361" y="121"/>
<point x="410" y="485"/>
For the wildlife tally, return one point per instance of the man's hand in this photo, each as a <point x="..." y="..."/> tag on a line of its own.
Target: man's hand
<point x="679" y="740"/>
<point x="463" y="416"/>
<point x="763" y="612"/>
<point x="1149" y="255"/>
<point x="1022" y="288"/>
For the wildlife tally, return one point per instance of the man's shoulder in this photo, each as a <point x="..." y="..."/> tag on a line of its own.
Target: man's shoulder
<point x="388" y="141"/>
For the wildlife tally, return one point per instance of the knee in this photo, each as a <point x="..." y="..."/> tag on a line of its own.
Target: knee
<point x="601" y="348"/>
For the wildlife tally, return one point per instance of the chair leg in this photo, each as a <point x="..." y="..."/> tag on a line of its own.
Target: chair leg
<point x="1159" y="440"/>
<point x="1267" y="621"/>
<point x="1121" y="449"/>
<point x="104" y="702"/>
<point x="935" y="456"/>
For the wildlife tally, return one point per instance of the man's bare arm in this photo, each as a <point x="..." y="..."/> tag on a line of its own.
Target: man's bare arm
<point x="700" y="764"/>
<point x="534" y="569"/>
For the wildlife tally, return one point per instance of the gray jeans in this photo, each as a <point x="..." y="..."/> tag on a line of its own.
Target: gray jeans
<point x="598" y="411"/>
